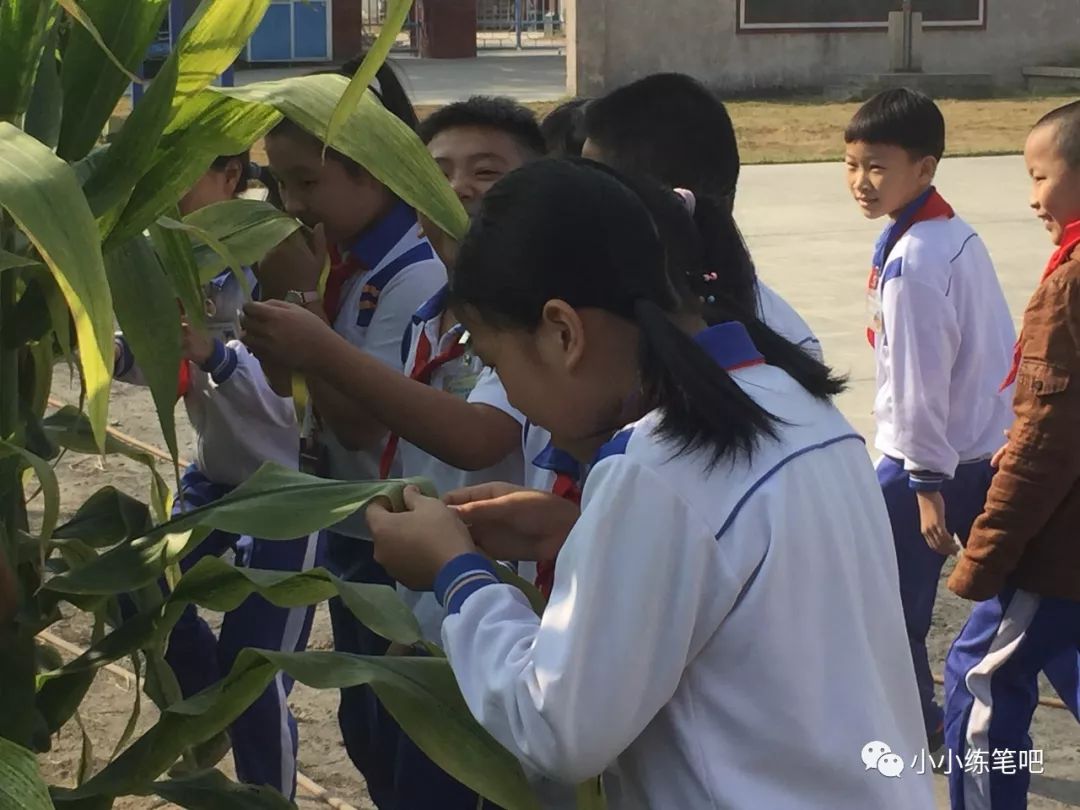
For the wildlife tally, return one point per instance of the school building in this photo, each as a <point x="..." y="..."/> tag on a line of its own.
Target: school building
<point x="747" y="46"/>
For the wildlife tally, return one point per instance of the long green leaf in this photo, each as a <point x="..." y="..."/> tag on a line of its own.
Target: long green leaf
<point x="212" y="790"/>
<point x="136" y="710"/>
<point x="82" y="18"/>
<point x="372" y="136"/>
<point x="106" y="518"/>
<point x="42" y="195"/>
<point x="249" y="229"/>
<point x="43" y="115"/>
<point x="211" y="41"/>
<point x="396" y="14"/>
<point x="10" y="261"/>
<point x="23" y="29"/>
<point x="146" y="310"/>
<point x="50" y="487"/>
<point x="68" y="427"/>
<point x="177" y="256"/>
<point x="21" y="786"/>
<point x="421" y="693"/>
<point x="131" y="153"/>
<point x="215" y="125"/>
<point x="92" y="82"/>
<point x="223" y="252"/>
<point x="86" y="753"/>
<point x="274" y="504"/>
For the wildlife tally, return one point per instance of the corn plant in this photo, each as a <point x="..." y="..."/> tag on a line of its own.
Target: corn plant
<point x="89" y="238"/>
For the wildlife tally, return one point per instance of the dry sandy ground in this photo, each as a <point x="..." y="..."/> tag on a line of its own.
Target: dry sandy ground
<point x="322" y="756"/>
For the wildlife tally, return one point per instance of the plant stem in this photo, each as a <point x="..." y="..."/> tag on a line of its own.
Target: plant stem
<point x="11" y="495"/>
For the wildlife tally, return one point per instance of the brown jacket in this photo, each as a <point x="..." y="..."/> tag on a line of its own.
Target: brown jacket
<point x="1028" y="535"/>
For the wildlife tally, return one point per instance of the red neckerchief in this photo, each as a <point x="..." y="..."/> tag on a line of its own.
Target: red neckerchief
<point x="424" y="367"/>
<point x="929" y="205"/>
<point x="1070" y="240"/>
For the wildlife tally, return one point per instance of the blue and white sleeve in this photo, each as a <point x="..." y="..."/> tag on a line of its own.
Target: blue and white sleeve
<point x="566" y="693"/>
<point x="923" y="337"/>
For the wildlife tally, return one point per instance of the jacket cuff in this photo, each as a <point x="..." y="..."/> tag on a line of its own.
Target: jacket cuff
<point x="924" y="481"/>
<point x="126" y="360"/>
<point x="221" y="363"/>
<point x="461" y="577"/>
<point x="975" y="581"/>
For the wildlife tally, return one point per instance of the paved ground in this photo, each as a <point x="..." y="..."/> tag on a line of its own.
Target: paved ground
<point x="524" y="75"/>
<point x="814" y="247"/>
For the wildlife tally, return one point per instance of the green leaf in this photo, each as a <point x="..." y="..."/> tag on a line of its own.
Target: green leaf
<point x="42" y="195"/>
<point x="10" y="261"/>
<point x="92" y="83"/>
<point x="106" y="518"/>
<point x="81" y="17"/>
<point x="274" y="504"/>
<point x="372" y="136"/>
<point x="23" y="30"/>
<point x="136" y="710"/>
<point x="396" y="13"/>
<point x="123" y="164"/>
<point x="248" y="228"/>
<point x="44" y="113"/>
<point x="86" y="753"/>
<point x="146" y="309"/>
<point x="177" y="257"/>
<point x="212" y="790"/>
<point x="50" y="488"/>
<point x="68" y="427"/>
<point x="21" y="786"/>
<point x="420" y="693"/>
<point x="222" y="251"/>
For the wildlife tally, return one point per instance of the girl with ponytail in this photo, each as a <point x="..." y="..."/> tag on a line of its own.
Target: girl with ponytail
<point x="729" y="587"/>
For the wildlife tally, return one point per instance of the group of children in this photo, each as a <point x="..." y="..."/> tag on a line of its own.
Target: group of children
<point x="611" y="401"/>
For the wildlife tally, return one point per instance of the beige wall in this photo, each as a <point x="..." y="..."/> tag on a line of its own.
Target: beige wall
<point x="614" y="41"/>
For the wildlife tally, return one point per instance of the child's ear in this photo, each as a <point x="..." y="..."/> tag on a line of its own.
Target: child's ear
<point x="562" y="335"/>
<point x="928" y="169"/>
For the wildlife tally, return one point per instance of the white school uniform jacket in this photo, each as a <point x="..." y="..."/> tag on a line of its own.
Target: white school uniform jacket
<point x="943" y="343"/>
<point x="239" y="422"/>
<point x="466" y="377"/>
<point x="727" y="636"/>
<point x="781" y="317"/>
<point x="400" y="272"/>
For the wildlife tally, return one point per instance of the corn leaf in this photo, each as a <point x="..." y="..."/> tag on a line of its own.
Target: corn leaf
<point x="76" y="12"/>
<point x="42" y="195"/>
<point x="177" y="257"/>
<point x="249" y="229"/>
<point x="23" y="31"/>
<point x="106" y="518"/>
<point x="69" y="427"/>
<point x="420" y="693"/>
<point x="216" y="125"/>
<point x="50" y="489"/>
<point x="226" y="255"/>
<point x="136" y="709"/>
<point x="21" y="785"/>
<point x="124" y="162"/>
<point x="43" y="115"/>
<point x="372" y="136"/>
<point x="146" y="310"/>
<point x="396" y="14"/>
<point x="212" y="790"/>
<point x="274" y="504"/>
<point x="92" y="82"/>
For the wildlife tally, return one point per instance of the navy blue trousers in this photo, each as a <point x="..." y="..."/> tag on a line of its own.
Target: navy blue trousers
<point x="919" y="565"/>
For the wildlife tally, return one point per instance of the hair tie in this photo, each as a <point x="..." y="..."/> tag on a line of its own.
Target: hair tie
<point x="708" y="277"/>
<point x="689" y="200"/>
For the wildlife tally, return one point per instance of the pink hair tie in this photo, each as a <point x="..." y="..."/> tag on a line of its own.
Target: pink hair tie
<point x="688" y="199"/>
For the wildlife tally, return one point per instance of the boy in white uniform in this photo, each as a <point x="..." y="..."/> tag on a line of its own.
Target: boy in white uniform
<point x="942" y="338"/>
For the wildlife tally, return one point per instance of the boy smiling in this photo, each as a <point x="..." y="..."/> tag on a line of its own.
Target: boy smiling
<point x="942" y="339"/>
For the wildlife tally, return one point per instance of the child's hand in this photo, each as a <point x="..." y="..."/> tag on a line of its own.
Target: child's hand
<point x="932" y="523"/>
<point x="288" y="335"/>
<point x="414" y="545"/>
<point x="196" y="345"/>
<point x="295" y="264"/>
<point x="995" y="462"/>
<point x="514" y="523"/>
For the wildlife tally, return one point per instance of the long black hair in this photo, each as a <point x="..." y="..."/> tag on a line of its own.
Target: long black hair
<point x="697" y="264"/>
<point x="571" y="230"/>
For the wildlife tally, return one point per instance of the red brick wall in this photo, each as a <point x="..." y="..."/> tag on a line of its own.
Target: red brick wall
<point x="348" y="28"/>
<point x="448" y="29"/>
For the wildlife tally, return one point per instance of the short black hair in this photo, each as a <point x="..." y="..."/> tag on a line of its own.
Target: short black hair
<point x="1067" y="121"/>
<point x="564" y="128"/>
<point x="673" y="128"/>
<point x="900" y="117"/>
<point x="491" y="112"/>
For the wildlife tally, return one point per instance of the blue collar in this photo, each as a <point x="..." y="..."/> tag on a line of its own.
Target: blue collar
<point x="558" y="461"/>
<point x="433" y="307"/>
<point x="898" y="227"/>
<point x="373" y="245"/>
<point x="729" y="344"/>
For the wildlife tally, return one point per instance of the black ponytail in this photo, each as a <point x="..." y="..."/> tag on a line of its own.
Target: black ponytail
<point x="703" y="407"/>
<point x="570" y="230"/>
